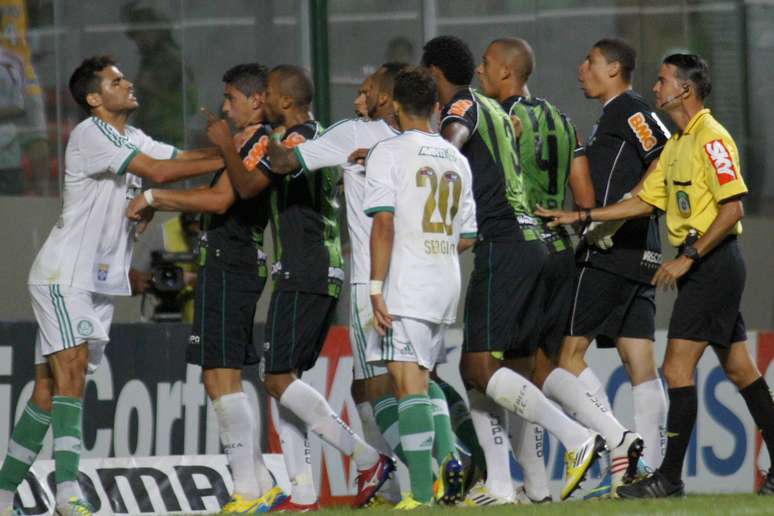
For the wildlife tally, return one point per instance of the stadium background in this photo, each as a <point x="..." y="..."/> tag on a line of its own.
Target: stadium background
<point x="177" y="50"/>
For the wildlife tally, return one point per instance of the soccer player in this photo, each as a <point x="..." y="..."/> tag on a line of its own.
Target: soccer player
<point x="508" y="261"/>
<point x="83" y="263"/>
<point x="613" y="300"/>
<point x="698" y="183"/>
<point x="546" y="148"/>
<point x="231" y="278"/>
<point x="308" y="275"/>
<point x="418" y="191"/>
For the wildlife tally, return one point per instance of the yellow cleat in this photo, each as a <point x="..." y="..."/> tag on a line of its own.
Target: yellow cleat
<point x="578" y="462"/>
<point x="74" y="507"/>
<point x="271" y="499"/>
<point x="240" y="505"/>
<point x="380" y="501"/>
<point x="409" y="503"/>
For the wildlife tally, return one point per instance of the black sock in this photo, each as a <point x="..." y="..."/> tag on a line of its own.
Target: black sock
<point x="761" y="406"/>
<point x="681" y="419"/>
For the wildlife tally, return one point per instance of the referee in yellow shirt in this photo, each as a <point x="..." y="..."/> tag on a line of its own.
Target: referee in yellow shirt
<point x="698" y="183"/>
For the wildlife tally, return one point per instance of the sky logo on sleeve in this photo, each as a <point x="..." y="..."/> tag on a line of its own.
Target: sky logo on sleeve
<point x="721" y="161"/>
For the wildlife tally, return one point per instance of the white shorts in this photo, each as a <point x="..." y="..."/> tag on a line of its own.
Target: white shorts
<point x="361" y="324"/>
<point x="69" y="316"/>
<point x="409" y="340"/>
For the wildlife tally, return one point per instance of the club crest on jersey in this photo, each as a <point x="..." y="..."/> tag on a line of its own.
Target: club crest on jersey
<point x="683" y="203"/>
<point x="721" y="161"/>
<point x="85" y="328"/>
<point x="102" y="271"/>
<point x="460" y="107"/>
<point x="642" y="130"/>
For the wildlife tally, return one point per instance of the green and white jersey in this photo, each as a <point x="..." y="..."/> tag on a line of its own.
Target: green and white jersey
<point x="91" y="246"/>
<point x="426" y="182"/>
<point x="547" y="146"/>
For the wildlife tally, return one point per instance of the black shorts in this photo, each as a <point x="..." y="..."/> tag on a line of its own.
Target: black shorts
<point x="504" y="279"/>
<point x="296" y="327"/>
<point x="607" y="306"/>
<point x="224" y="313"/>
<point x="708" y="298"/>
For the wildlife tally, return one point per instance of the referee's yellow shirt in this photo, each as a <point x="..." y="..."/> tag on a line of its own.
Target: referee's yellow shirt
<point x="697" y="170"/>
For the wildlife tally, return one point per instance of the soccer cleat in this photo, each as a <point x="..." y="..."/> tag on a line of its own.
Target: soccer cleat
<point x="471" y="475"/>
<point x="524" y="499"/>
<point x="767" y="489"/>
<point x="240" y="505"/>
<point x="409" y="503"/>
<point x="287" y="505"/>
<point x="624" y="460"/>
<point x="272" y="498"/>
<point x="380" y="501"/>
<point x="479" y="496"/>
<point x="578" y="462"/>
<point x="655" y="486"/>
<point x="74" y="507"/>
<point x="448" y="487"/>
<point x="370" y="480"/>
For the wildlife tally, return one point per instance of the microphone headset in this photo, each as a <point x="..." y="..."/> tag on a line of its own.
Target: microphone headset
<point x="680" y="95"/>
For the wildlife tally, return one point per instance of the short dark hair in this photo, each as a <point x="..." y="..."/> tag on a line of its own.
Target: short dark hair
<point x="295" y="83"/>
<point x="85" y="80"/>
<point x="415" y="91"/>
<point x="617" y="50"/>
<point x="385" y="76"/>
<point x="691" y="67"/>
<point x="452" y="56"/>
<point x="248" y="78"/>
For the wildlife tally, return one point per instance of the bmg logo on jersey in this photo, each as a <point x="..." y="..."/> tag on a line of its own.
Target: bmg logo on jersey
<point x="642" y="130"/>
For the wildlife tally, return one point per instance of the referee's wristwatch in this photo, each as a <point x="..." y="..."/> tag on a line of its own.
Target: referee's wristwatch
<point x="692" y="253"/>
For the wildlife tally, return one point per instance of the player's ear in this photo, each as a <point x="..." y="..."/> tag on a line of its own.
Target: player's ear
<point x="94" y="100"/>
<point x="613" y="69"/>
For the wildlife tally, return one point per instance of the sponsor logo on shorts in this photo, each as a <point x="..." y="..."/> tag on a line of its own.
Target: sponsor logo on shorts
<point x="683" y="203"/>
<point x="85" y="328"/>
<point x="641" y="129"/>
<point x="721" y="161"/>
<point x="651" y="257"/>
<point x="194" y="339"/>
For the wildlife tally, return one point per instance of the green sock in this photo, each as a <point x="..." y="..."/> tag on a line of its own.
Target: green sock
<point x="24" y="446"/>
<point x="462" y="424"/>
<point x="415" y="416"/>
<point x="386" y="414"/>
<point x="66" y="422"/>
<point x="445" y="440"/>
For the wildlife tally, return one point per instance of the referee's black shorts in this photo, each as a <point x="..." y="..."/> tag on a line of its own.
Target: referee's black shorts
<point x="296" y="328"/>
<point x="505" y="278"/>
<point x="607" y="306"/>
<point x="708" y="298"/>
<point x="224" y="310"/>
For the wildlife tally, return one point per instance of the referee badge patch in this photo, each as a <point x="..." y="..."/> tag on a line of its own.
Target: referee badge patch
<point x="683" y="203"/>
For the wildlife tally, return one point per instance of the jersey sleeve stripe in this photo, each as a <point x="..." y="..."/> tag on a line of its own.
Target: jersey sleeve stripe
<point x="122" y="170"/>
<point x="377" y="209"/>
<point x="300" y="159"/>
<point x="469" y="236"/>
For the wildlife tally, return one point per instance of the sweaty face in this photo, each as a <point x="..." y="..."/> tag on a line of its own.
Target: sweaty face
<point x="361" y="107"/>
<point x="668" y="88"/>
<point x="593" y="74"/>
<point x="488" y="72"/>
<point x="273" y="107"/>
<point x="239" y="108"/>
<point x="116" y="92"/>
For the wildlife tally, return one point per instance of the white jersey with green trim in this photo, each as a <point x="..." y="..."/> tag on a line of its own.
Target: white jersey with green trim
<point x="91" y="245"/>
<point x="426" y="182"/>
<point x="332" y="148"/>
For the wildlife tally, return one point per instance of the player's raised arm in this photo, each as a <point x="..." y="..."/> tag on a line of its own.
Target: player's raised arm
<point x="171" y="170"/>
<point x="215" y="199"/>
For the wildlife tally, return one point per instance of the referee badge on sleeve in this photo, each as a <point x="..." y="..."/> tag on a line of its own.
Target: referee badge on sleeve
<point x="683" y="203"/>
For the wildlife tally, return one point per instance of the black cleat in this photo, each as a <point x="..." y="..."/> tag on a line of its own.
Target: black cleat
<point x="767" y="489"/>
<point x="655" y="486"/>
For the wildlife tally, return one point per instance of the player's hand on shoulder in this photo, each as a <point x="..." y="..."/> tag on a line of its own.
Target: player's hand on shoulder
<point x="358" y="156"/>
<point x="382" y="317"/>
<point x="517" y="127"/>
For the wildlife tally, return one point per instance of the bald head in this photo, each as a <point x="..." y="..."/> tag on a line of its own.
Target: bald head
<point x="517" y="55"/>
<point x="293" y="81"/>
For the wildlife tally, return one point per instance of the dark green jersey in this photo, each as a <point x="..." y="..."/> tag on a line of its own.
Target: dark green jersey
<point x="502" y="211"/>
<point x="547" y="146"/>
<point x="305" y="224"/>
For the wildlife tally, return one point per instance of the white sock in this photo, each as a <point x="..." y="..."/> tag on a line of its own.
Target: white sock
<point x="67" y="490"/>
<point x="236" y="433"/>
<point x="527" y="444"/>
<point x="6" y="500"/>
<point x="374" y="437"/>
<point x="310" y="406"/>
<point x="262" y="474"/>
<point x="517" y="394"/>
<point x="488" y="420"/>
<point x="650" y="414"/>
<point x="297" y="455"/>
<point x="595" y="387"/>
<point x="569" y="391"/>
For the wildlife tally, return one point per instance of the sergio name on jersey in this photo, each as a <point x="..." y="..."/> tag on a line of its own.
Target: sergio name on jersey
<point x="332" y="148"/>
<point x="627" y="138"/>
<point x="305" y="224"/>
<point x="91" y="246"/>
<point x="427" y="184"/>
